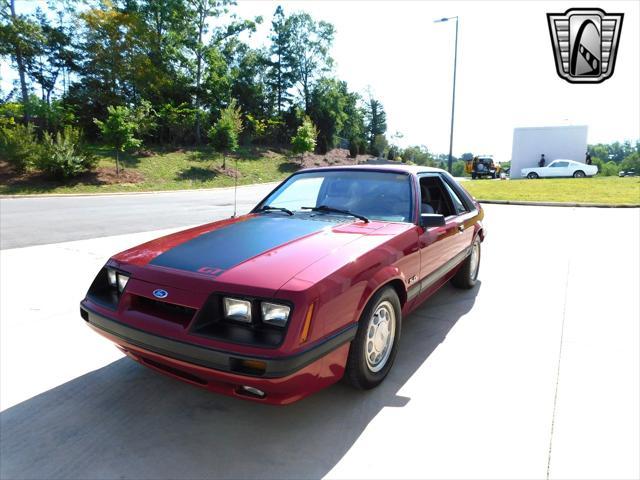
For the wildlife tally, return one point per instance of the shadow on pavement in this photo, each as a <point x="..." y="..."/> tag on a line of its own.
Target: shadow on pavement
<point x="125" y="421"/>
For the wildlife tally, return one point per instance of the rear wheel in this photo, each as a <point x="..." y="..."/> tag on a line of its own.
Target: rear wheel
<point x="474" y="175"/>
<point x="532" y="175"/>
<point x="579" y="174"/>
<point x="374" y="348"/>
<point x="467" y="274"/>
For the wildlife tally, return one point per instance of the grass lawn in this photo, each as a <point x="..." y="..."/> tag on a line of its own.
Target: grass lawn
<point x="169" y="170"/>
<point x="579" y="190"/>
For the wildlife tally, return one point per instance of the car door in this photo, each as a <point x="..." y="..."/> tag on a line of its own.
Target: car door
<point x="440" y="245"/>
<point x="559" y="168"/>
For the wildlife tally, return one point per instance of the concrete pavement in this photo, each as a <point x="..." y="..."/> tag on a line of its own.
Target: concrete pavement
<point x="534" y="371"/>
<point x="43" y="220"/>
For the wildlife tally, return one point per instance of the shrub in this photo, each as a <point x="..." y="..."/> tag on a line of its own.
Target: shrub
<point x="63" y="155"/>
<point x="305" y="138"/>
<point x="606" y="169"/>
<point x="225" y="133"/>
<point x="177" y="124"/>
<point x="631" y="162"/>
<point x="19" y="145"/>
<point x="458" y="168"/>
<point x="118" y="131"/>
<point x="379" y="146"/>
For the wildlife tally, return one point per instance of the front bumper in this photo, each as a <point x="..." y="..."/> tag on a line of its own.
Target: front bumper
<point x="284" y="379"/>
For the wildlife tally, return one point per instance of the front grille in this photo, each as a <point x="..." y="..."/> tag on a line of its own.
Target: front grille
<point x="163" y="310"/>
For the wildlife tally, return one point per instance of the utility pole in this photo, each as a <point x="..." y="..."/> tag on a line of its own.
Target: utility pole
<point x="453" y="99"/>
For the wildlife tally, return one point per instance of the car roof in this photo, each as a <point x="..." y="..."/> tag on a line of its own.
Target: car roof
<point x="398" y="168"/>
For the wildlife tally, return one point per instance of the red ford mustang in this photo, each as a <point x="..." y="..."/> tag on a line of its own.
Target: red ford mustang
<point x="309" y="287"/>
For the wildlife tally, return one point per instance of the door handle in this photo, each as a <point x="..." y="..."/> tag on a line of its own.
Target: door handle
<point x="461" y="228"/>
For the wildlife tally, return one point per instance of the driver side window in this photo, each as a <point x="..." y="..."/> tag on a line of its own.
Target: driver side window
<point x="438" y="197"/>
<point x="455" y="199"/>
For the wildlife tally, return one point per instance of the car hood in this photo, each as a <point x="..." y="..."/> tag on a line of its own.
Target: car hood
<point x="264" y="250"/>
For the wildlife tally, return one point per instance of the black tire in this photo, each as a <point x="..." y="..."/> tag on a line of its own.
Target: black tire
<point x="466" y="276"/>
<point x="579" y="174"/>
<point x="532" y="175"/>
<point x="494" y="176"/>
<point x="358" y="372"/>
<point x="474" y="175"/>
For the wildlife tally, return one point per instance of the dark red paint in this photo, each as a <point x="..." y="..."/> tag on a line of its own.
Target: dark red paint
<point x="337" y="269"/>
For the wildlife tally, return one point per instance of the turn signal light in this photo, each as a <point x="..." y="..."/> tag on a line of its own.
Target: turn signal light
<point x="307" y="324"/>
<point x="248" y="366"/>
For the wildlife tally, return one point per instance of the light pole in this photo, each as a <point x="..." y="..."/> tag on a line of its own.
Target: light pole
<point x="453" y="100"/>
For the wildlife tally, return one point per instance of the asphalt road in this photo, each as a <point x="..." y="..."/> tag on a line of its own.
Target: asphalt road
<point x="534" y="373"/>
<point x="44" y="220"/>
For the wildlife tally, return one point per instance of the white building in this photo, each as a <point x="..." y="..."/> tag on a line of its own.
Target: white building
<point x="529" y="143"/>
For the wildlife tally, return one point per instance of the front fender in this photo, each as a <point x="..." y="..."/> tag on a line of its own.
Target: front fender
<point x="389" y="274"/>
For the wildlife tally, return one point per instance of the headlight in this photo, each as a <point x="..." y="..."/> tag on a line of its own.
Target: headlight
<point x="236" y="309"/>
<point x="116" y="279"/>
<point x="122" y="282"/>
<point x="274" y="314"/>
<point x="112" y="277"/>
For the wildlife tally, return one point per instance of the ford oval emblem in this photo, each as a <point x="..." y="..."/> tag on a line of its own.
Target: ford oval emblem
<point x="159" y="293"/>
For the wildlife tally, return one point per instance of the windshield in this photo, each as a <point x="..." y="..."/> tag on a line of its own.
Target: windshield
<point x="375" y="195"/>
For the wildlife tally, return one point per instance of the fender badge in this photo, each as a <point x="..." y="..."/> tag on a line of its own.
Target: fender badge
<point x="159" y="293"/>
<point x="412" y="279"/>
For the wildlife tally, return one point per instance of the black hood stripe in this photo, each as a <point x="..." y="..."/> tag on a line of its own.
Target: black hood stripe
<point x="214" y="252"/>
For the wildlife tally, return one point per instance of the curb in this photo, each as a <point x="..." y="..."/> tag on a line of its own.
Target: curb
<point x="109" y="194"/>
<point x="560" y="204"/>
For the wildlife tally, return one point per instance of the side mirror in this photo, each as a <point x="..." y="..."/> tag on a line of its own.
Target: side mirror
<point x="428" y="220"/>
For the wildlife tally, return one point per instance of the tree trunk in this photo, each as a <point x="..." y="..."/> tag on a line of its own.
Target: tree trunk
<point x="224" y="161"/>
<point x="117" y="163"/>
<point x="21" y="70"/>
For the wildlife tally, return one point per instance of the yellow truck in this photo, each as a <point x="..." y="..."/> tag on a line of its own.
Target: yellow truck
<point x="482" y="166"/>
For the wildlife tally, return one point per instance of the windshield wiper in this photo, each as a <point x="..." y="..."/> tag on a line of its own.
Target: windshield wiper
<point x="326" y="208"/>
<point x="269" y="208"/>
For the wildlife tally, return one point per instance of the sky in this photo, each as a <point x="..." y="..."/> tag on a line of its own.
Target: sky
<point x="506" y="75"/>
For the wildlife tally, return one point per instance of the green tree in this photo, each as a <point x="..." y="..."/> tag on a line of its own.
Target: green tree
<point x="53" y="54"/>
<point x="376" y="120"/>
<point x="631" y="162"/>
<point x="280" y="74"/>
<point x="200" y="13"/>
<point x="418" y="154"/>
<point x="327" y="110"/>
<point x="248" y="83"/>
<point x="458" y="168"/>
<point x="19" y="40"/>
<point x="380" y="145"/>
<point x="310" y="42"/>
<point x="305" y="138"/>
<point x="111" y="54"/>
<point x="163" y="28"/>
<point x="118" y="131"/>
<point x="353" y="128"/>
<point x="225" y="133"/>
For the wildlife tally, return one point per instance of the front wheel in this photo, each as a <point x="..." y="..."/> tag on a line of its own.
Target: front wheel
<point x="467" y="275"/>
<point x="532" y="175"/>
<point x="578" y="174"/>
<point x="374" y="348"/>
